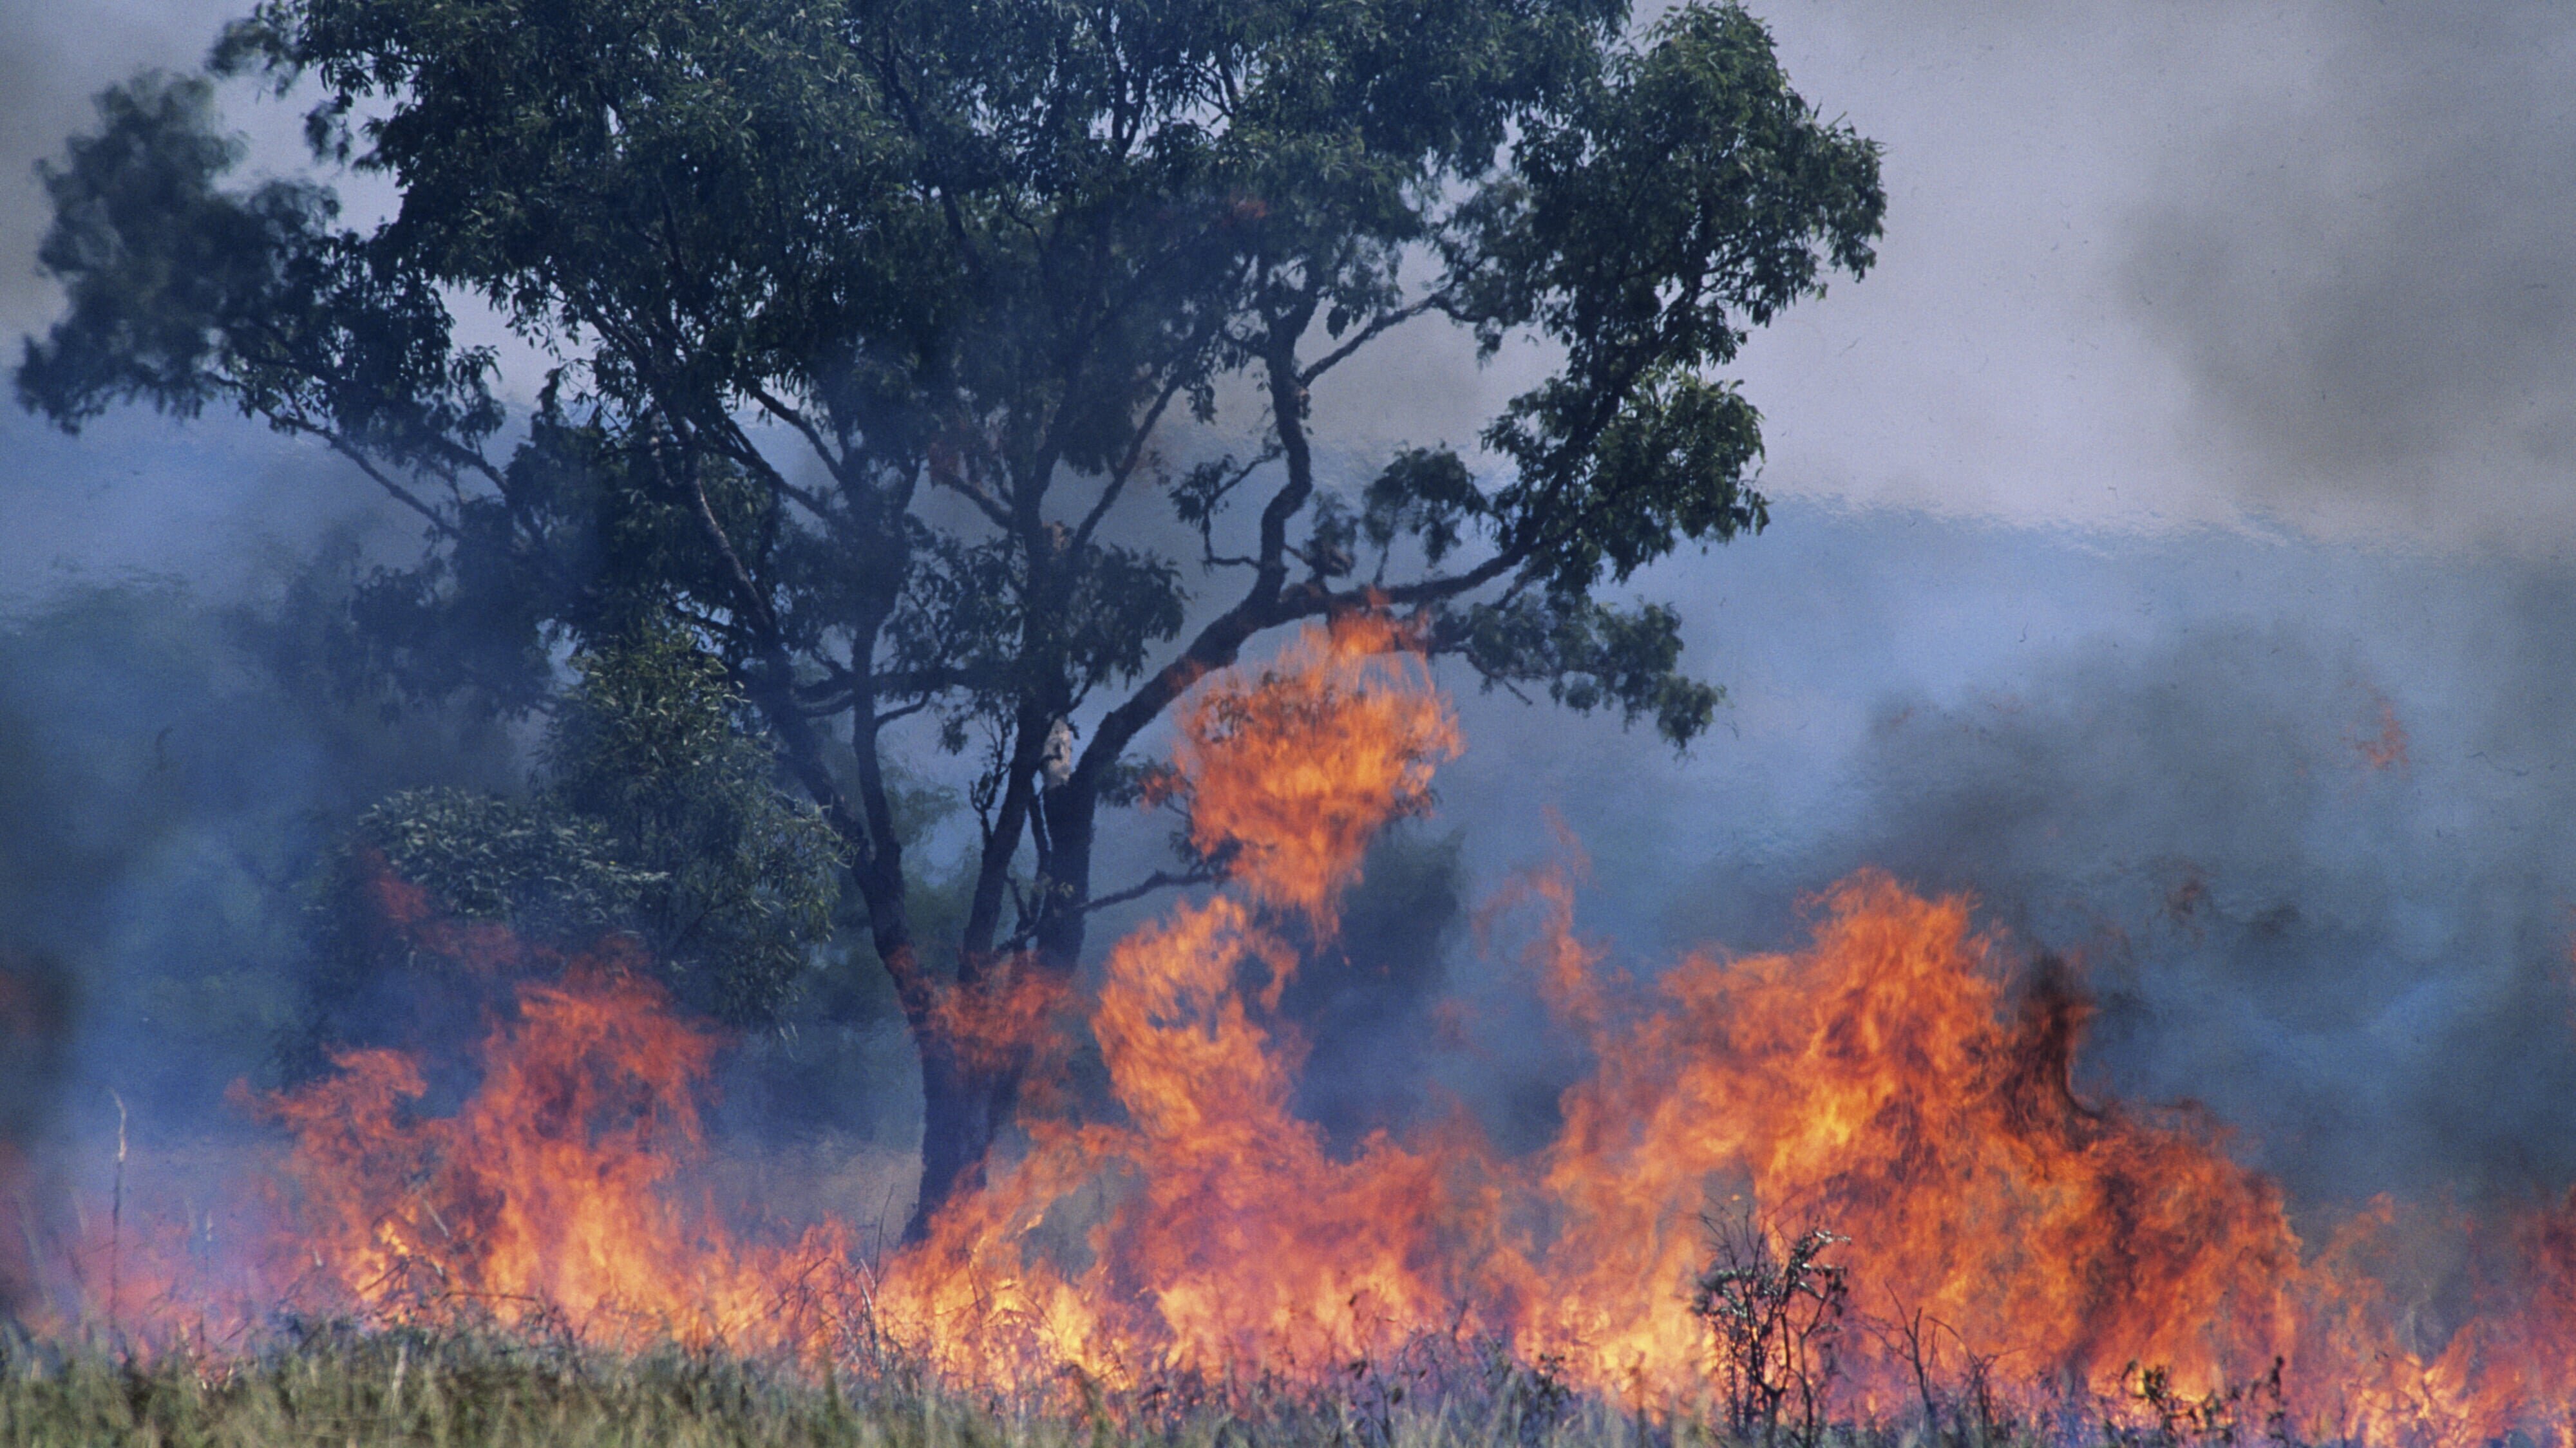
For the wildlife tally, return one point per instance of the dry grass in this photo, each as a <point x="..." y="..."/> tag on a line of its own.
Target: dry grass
<point x="350" y="1390"/>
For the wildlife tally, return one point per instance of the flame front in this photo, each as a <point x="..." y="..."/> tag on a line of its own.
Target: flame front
<point x="1904" y="1081"/>
<point x="548" y="1200"/>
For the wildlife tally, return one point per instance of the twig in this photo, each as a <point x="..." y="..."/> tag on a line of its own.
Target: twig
<point x="116" y="1212"/>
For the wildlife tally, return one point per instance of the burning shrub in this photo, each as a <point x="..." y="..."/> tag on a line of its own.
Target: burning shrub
<point x="440" y="900"/>
<point x="1774" y="1308"/>
<point x="2221" y="1416"/>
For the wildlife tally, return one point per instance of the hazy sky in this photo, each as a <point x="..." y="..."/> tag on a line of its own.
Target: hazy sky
<point x="2296" y="265"/>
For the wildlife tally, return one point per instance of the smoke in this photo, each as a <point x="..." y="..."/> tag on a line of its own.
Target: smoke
<point x="167" y="776"/>
<point x="2298" y="273"/>
<point x="2366" y="272"/>
<point x="162" y="786"/>
<point x="207" y="500"/>
<point x="2271" y="880"/>
<point x="2144" y="267"/>
<point x="36" y="1008"/>
<point x="2297" y="814"/>
<point x="1367" y="1003"/>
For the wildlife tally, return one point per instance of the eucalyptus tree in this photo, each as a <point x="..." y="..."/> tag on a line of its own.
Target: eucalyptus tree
<point x="873" y="329"/>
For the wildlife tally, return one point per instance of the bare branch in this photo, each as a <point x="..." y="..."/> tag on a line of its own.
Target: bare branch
<point x="789" y="414"/>
<point x="340" y="443"/>
<point x="741" y="450"/>
<point x="1426" y="590"/>
<point x="1126" y="467"/>
<point x="953" y="477"/>
<point x="1158" y="881"/>
<point x="1377" y="327"/>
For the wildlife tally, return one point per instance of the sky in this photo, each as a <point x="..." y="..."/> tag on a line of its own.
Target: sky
<point x="2208" y="415"/>
<point x="2294" y="266"/>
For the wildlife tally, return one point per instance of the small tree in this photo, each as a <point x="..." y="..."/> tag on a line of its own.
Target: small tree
<point x="1974" y="1414"/>
<point x="738" y="879"/>
<point x="1774" y="1312"/>
<point x="657" y="816"/>
<point x="873" y="325"/>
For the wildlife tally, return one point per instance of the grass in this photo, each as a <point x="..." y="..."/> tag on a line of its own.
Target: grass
<point x="349" y="1390"/>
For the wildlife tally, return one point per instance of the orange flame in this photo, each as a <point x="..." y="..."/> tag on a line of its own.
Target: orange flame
<point x="547" y="1200"/>
<point x="1905" y="1080"/>
<point x="1294" y="770"/>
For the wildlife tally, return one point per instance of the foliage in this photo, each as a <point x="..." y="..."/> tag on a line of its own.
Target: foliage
<point x="735" y="881"/>
<point x="874" y="327"/>
<point x="548" y="873"/>
<point x="658" y="816"/>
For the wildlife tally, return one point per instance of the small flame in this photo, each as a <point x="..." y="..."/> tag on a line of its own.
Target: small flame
<point x="2386" y="747"/>
<point x="547" y="1200"/>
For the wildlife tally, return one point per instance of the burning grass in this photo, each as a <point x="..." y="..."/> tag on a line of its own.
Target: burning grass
<point x="1942" y="1238"/>
<point x="341" y="1388"/>
<point x="346" y="1386"/>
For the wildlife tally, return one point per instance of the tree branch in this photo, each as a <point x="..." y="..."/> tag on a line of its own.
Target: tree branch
<point x="339" y="443"/>
<point x="952" y="476"/>
<point x="1160" y="880"/>
<point x="1377" y="327"/>
<point x="788" y="414"/>
<point x="1126" y="466"/>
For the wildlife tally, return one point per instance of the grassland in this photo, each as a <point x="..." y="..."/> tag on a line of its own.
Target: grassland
<point x="347" y="1390"/>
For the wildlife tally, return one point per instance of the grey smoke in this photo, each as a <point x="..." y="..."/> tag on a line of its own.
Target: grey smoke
<point x="2173" y="764"/>
<point x="2369" y="272"/>
<point x="53" y="58"/>
<point x="133" y="492"/>
<point x="2358" y="958"/>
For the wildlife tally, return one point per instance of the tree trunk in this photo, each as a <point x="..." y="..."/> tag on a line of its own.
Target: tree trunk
<point x="968" y="1096"/>
<point x="1064" y="877"/>
<point x="965" y="1101"/>
<point x="962" y="1110"/>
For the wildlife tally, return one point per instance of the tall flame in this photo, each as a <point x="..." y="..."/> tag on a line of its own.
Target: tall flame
<point x="1904" y="1081"/>
<point x="1295" y="769"/>
<point x="548" y="1200"/>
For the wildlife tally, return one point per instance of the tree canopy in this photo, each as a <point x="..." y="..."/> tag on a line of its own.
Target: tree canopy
<point x="875" y="330"/>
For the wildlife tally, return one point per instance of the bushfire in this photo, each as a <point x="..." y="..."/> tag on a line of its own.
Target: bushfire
<point x="1878" y="1131"/>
